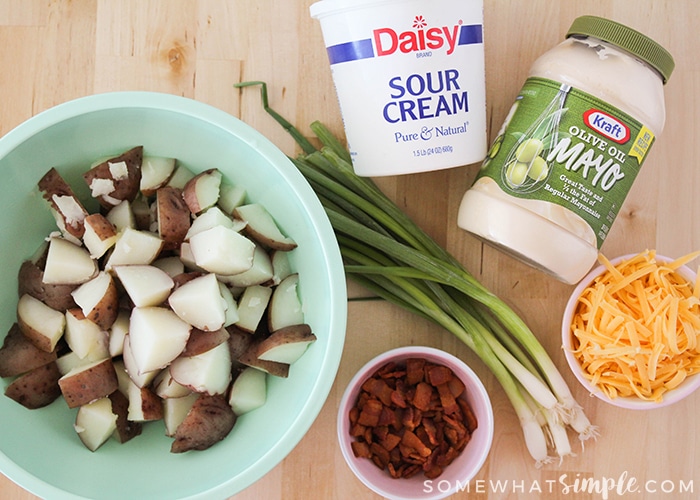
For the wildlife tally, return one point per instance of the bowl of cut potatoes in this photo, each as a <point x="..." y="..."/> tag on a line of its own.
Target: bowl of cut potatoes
<point x="174" y="306"/>
<point x="630" y="330"/>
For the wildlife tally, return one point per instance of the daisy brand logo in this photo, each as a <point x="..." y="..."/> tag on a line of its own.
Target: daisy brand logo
<point x="607" y="125"/>
<point x="388" y="41"/>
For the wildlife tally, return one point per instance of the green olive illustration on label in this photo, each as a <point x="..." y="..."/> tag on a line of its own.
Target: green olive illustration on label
<point x="526" y="168"/>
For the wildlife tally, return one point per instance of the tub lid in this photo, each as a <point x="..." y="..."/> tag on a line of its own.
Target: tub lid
<point x="626" y="38"/>
<point x="326" y="7"/>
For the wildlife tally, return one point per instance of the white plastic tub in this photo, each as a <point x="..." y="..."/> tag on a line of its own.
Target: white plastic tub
<point x="409" y="76"/>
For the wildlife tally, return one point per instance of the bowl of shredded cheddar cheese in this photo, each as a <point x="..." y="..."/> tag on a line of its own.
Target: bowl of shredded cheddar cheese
<point x="631" y="330"/>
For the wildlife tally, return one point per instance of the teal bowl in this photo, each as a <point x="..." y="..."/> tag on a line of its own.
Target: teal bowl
<point x="39" y="449"/>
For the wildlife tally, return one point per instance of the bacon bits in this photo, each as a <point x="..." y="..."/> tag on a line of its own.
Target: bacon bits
<point x="411" y="418"/>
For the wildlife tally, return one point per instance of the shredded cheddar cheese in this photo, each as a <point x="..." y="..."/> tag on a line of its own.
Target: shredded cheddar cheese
<point x="636" y="328"/>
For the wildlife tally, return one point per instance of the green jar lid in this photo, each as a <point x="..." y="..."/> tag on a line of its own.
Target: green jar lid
<point x="626" y="38"/>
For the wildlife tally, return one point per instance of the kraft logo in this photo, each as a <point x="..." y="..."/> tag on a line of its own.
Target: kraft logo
<point x="607" y="125"/>
<point x="387" y="41"/>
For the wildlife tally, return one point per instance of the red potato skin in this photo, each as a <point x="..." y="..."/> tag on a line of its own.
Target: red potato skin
<point x="18" y="355"/>
<point x="124" y="189"/>
<point x="174" y="218"/>
<point x="106" y="311"/>
<point x="250" y="358"/>
<point x="126" y="429"/>
<point x="30" y="281"/>
<point x="37" y="338"/>
<point x="286" y="335"/>
<point x="102" y="227"/>
<point x="151" y="405"/>
<point x="209" y="421"/>
<point x="201" y="341"/>
<point x="189" y="193"/>
<point x="52" y="184"/>
<point x="238" y="343"/>
<point x="93" y="383"/>
<point x="268" y="242"/>
<point x="37" y="388"/>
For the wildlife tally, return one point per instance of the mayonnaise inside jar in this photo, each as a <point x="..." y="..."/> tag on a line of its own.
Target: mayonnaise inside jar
<point x="570" y="148"/>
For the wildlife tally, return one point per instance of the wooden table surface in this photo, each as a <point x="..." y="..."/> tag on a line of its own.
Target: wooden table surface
<point x="52" y="51"/>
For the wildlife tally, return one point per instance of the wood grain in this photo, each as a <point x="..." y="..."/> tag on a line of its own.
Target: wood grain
<point x="52" y="51"/>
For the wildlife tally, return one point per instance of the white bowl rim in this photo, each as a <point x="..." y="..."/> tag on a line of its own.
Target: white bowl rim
<point x="631" y="403"/>
<point x="337" y="323"/>
<point x="413" y="351"/>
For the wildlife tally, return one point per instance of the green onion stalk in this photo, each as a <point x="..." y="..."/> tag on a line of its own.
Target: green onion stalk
<point x="387" y="253"/>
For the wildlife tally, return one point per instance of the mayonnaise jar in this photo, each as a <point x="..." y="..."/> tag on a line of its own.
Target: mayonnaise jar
<point x="570" y="148"/>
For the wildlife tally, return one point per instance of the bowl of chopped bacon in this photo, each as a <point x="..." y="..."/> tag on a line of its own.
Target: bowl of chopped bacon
<point x="415" y="422"/>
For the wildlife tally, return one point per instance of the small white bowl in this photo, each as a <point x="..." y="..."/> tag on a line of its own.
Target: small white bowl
<point x="688" y="386"/>
<point x="460" y="471"/>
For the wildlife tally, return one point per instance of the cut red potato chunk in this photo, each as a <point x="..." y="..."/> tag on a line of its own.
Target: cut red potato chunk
<point x="19" y="355"/>
<point x="187" y="257"/>
<point x="202" y="191"/>
<point x="173" y="217"/>
<point x="261" y="226"/>
<point x="84" y="337"/>
<point x="100" y="235"/>
<point x="134" y="247"/>
<point x="260" y="271"/>
<point x="212" y="217"/>
<point x="157" y="336"/>
<point x="126" y="429"/>
<point x="98" y="299"/>
<point x="238" y="344"/>
<point x="250" y="358"/>
<point x="172" y="266"/>
<point x="144" y="404"/>
<point x="121" y="216"/>
<point x="248" y="391"/>
<point x="143" y="216"/>
<point x="31" y="281"/>
<point x="222" y="250"/>
<point x="208" y="372"/>
<point x="116" y="179"/>
<point x="199" y="303"/>
<point x="66" y="207"/>
<point x="118" y="332"/>
<point x="287" y="344"/>
<point x="141" y="379"/>
<point x="146" y="285"/>
<point x="175" y="410"/>
<point x="166" y="387"/>
<point x="201" y="341"/>
<point x="281" y="267"/>
<point x="68" y="263"/>
<point x="95" y="423"/>
<point x="70" y="360"/>
<point x="252" y="306"/>
<point x="155" y="173"/>
<point x="230" y="197"/>
<point x="36" y="388"/>
<point x="42" y="325"/>
<point x="230" y="305"/>
<point x="181" y="176"/>
<point x="209" y="421"/>
<point x="285" y="304"/>
<point x="88" y="383"/>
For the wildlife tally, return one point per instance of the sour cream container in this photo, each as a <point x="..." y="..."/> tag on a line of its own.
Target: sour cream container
<point x="570" y="148"/>
<point x="409" y="77"/>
